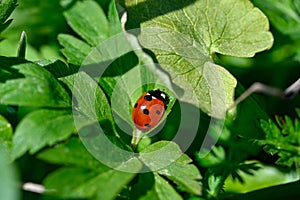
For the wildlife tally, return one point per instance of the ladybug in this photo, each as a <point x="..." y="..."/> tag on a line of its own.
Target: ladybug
<point x="149" y="109"/>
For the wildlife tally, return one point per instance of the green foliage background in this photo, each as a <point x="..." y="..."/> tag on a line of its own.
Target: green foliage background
<point x="257" y="155"/>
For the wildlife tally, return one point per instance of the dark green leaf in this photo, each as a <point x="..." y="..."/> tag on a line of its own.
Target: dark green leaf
<point x="282" y="139"/>
<point x="60" y="69"/>
<point x="6" y="8"/>
<point x="278" y="192"/>
<point x="215" y="157"/>
<point x="290" y="23"/>
<point x="38" y="88"/>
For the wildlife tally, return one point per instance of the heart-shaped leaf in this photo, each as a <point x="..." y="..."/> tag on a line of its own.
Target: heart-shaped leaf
<point x="185" y="36"/>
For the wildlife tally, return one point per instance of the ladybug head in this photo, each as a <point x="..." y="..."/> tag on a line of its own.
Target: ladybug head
<point x="160" y="95"/>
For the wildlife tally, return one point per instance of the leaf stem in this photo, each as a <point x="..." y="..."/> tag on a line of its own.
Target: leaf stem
<point x="136" y="136"/>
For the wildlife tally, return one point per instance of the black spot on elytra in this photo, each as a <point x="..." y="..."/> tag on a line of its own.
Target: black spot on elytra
<point x="146" y="111"/>
<point x="157" y="112"/>
<point x="148" y="125"/>
<point x="135" y="105"/>
<point x="148" y="97"/>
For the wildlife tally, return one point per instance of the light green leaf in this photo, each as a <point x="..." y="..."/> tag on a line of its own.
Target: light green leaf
<point x="74" y="49"/>
<point x="160" y="154"/>
<point x="167" y="158"/>
<point x="185" y="175"/>
<point x="89" y="21"/>
<point x="40" y="128"/>
<point x="185" y="36"/>
<point x="229" y="27"/>
<point x="164" y="190"/>
<point x="113" y="18"/>
<point x="38" y="88"/>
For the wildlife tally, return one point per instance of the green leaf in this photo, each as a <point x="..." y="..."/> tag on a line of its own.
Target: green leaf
<point x="91" y="108"/>
<point x="153" y="186"/>
<point x="277" y="192"/>
<point x="164" y="190"/>
<point x="282" y="139"/>
<point x="213" y="158"/>
<point x="74" y="49"/>
<point x="59" y="69"/>
<point x="167" y="158"/>
<point x="8" y="182"/>
<point x="6" y="8"/>
<point x="290" y="23"/>
<point x="85" y="177"/>
<point x="184" y="43"/>
<point x="40" y="128"/>
<point x="5" y="129"/>
<point x="229" y="27"/>
<point x="185" y="175"/>
<point x="116" y="82"/>
<point x="160" y="154"/>
<point x="82" y="183"/>
<point x="38" y="88"/>
<point x="124" y="93"/>
<point x="129" y="62"/>
<point x="113" y="18"/>
<point x="72" y="153"/>
<point x="89" y="21"/>
<point x="91" y="100"/>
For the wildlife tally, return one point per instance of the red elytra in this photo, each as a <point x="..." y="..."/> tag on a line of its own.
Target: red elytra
<point x="149" y="109"/>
